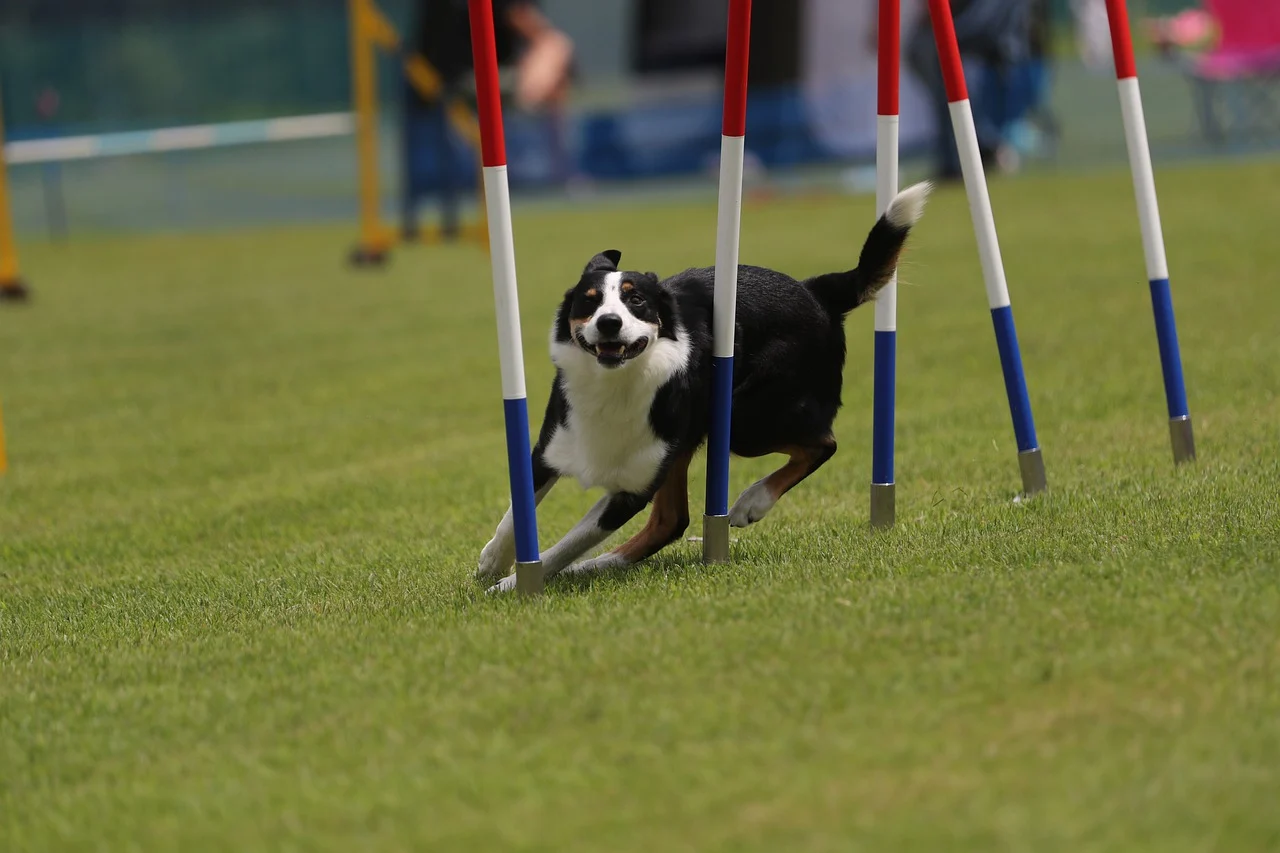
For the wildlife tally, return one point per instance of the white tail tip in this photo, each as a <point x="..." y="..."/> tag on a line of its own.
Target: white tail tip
<point x="908" y="206"/>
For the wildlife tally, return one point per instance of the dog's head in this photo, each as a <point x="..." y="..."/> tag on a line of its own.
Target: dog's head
<point x="614" y="316"/>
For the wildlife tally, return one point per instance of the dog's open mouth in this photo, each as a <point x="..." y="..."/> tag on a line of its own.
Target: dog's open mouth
<point x="614" y="353"/>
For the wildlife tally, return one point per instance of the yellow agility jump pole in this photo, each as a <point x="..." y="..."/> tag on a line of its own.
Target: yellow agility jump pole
<point x="375" y="240"/>
<point x="12" y="287"/>
<point x="370" y="30"/>
<point x="4" y="458"/>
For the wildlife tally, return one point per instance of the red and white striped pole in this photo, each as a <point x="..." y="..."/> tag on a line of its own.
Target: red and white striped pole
<point x="715" y="523"/>
<point x="883" y="499"/>
<point x="502" y="254"/>
<point x="1030" y="460"/>
<point x="1144" y="189"/>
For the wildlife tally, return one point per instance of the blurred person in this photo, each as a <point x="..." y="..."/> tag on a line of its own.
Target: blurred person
<point x="1015" y="98"/>
<point x="996" y="33"/>
<point x="529" y="47"/>
<point x="1093" y="34"/>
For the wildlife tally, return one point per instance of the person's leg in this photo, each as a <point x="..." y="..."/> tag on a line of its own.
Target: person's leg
<point x="1000" y="118"/>
<point x="922" y="58"/>
<point x="408" y="175"/>
<point x="998" y="32"/>
<point x="989" y="102"/>
<point x="440" y="138"/>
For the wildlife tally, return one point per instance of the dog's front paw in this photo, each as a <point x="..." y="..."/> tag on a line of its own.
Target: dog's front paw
<point x="752" y="505"/>
<point x="497" y="558"/>
<point x="507" y="584"/>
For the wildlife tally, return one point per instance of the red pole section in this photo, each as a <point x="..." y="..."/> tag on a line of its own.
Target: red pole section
<point x="1121" y="39"/>
<point x="484" y="52"/>
<point x="944" y="34"/>
<point x="887" y="58"/>
<point x="735" y="68"/>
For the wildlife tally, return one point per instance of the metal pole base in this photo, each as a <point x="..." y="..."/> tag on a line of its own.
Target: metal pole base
<point x="367" y="256"/>
<point x="883" y="508"/>
<point x="1031" y="463"/>
<point x="529" y="579"/>
<point x="14" y="290"/>
<point x="715" y="538"/>
<point x="1184" y="440"/>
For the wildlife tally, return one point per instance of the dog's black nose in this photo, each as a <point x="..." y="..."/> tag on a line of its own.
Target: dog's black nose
<point x="609" y="324"/>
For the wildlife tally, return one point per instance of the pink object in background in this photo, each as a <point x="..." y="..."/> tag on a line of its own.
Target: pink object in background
<point x="1192" y="28"/>
<point x="1249" y="41"/>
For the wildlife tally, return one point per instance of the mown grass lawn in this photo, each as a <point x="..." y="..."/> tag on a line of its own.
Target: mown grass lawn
<point x="248" y="488"/>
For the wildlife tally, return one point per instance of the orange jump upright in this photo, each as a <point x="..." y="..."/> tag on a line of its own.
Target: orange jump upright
<point x="12" y="288"/>
<point x="371" y="32"/>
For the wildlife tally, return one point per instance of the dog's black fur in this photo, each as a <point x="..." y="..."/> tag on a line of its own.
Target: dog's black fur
<point x="789" y="355"/>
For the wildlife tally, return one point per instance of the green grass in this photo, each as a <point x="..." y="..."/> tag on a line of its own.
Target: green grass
<point x="248" y="488"/>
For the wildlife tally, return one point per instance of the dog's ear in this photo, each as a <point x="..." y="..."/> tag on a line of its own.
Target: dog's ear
<point x="668" y="310"/>
<point x="606" y="261"/>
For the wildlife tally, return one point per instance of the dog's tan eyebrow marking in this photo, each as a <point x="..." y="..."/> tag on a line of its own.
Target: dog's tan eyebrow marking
<point x="626" y="285"/>
<point x="592" y="293"/>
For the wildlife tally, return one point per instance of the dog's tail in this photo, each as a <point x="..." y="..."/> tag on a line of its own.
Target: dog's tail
<point x="841" y="292"/>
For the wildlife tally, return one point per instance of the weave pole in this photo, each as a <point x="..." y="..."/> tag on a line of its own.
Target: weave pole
<point x="715" y="523"/>
<point x="1030" y="460"/>
<point x="374" y="243"/>
<point x="883" y="499"/>
<point x="4" y="454"/>
<point x="502" y="255"/>
<point x="1144" y="189"/>
<point x="12" y="287"/>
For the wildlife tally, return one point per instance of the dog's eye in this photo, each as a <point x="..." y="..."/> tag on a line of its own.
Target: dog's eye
<point x="635" y="299"/>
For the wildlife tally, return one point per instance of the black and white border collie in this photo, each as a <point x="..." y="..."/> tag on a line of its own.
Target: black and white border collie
<point x="630" y="403"/>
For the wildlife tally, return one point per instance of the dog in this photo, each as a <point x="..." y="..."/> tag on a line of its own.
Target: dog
<point x="630" y="403"/>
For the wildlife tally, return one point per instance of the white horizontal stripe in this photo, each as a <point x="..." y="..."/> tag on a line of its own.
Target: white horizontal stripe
<point x="51" y="150"/>
<point x="189" y="137"/>
<point x="311" y="127"/>
<point x="182" y="138"/>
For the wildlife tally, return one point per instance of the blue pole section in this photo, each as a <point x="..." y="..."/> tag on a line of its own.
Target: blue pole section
<point x="1175" y="389"/>
<point x="1015" y="382"/>
<point x="520" y="467"/>
<point x="882" y="417"/>
<point x="718" y="439"/>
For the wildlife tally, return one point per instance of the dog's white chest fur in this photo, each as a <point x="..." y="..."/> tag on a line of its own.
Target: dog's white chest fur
<point x="607" y="441"/>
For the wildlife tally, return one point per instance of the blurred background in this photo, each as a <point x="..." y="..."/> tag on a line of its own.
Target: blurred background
<point x="252" y="101"/>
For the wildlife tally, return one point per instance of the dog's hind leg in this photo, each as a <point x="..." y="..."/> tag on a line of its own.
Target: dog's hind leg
<point x="667" y="521"/>
<point x="499" y="555"/>
<point x="757" y="499"/>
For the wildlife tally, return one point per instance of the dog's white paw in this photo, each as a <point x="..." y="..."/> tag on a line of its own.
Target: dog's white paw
<point x="752" y="505"/>
<point x="507" y="584"/>
<point x="497" y="558"/>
